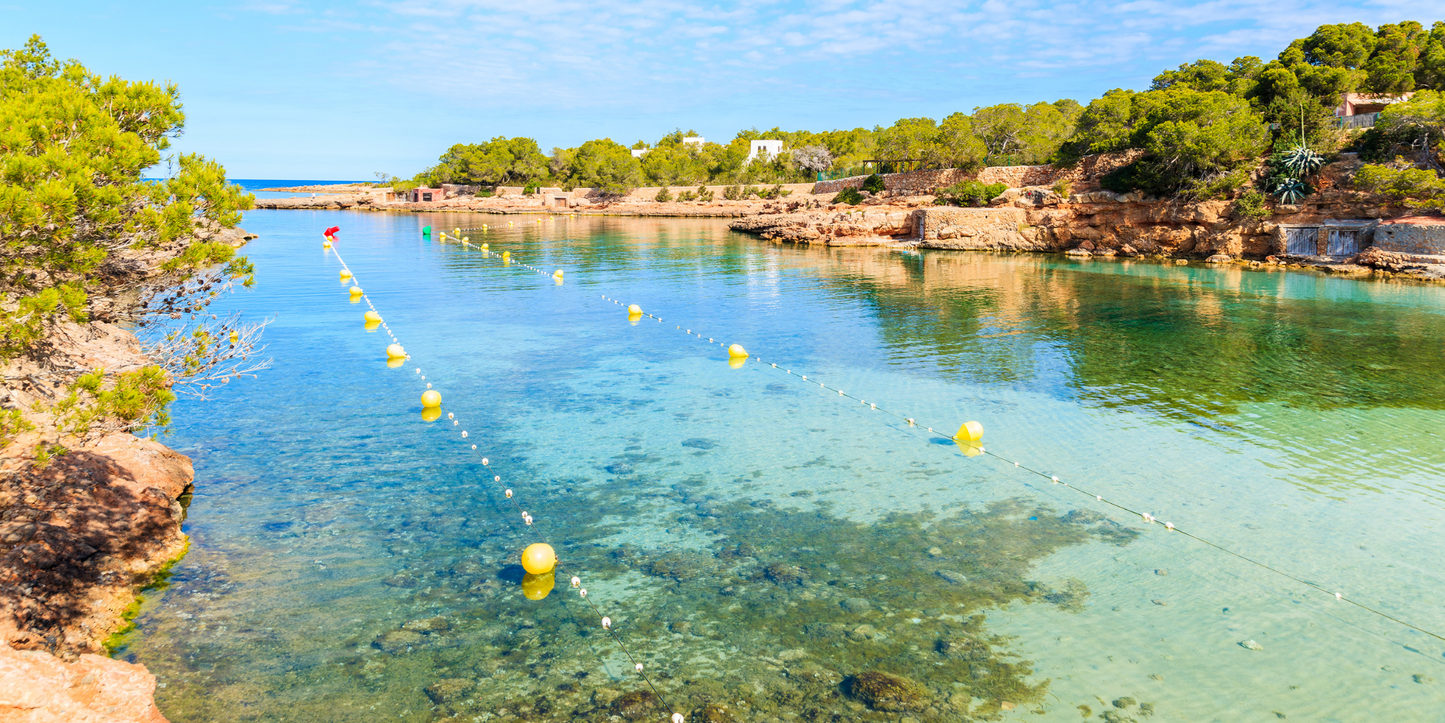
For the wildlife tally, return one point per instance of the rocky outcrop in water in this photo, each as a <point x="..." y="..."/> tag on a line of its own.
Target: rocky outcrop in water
<point x="82" y="532"/>
<point x="39" y="688"/>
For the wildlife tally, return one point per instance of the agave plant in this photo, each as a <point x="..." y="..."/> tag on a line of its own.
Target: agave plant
<point x="1302" y="161"/>
<point x="1290" y="190"/>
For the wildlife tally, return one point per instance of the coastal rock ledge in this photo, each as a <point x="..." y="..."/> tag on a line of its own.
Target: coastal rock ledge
<point x="39" y="688"/>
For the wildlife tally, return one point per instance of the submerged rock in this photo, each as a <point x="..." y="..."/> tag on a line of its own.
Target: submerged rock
<point x="886" y="692"/>
<point x="784" y="574"/>
<point x="449" y="689"/>
<point x="712" y="713"/>
<point x="428" y="625"/>
<point x="1083" y="517"/>
<point x="856" y="605"/>
<point x="398" y="640"/>
<point x="951" y="577"/>
<point x="1250" y="645"/>
<point x="962" y="648"/>
<point x="634" y="705"/>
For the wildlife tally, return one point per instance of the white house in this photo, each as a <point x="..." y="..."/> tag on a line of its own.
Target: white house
<point x="640" y="152"/>
<point x="694" y="140"/>
<point x="766" y="149"/>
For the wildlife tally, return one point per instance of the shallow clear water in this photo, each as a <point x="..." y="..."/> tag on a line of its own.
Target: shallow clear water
<point x="756" y="538"/>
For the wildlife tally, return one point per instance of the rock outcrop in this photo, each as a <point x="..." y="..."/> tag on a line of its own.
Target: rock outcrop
<point x="40" y="688"/>
<point x="84" y="531"/>
<point x="1089" y="223"/>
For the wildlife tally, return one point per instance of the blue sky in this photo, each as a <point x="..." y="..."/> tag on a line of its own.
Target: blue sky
<point x="283" y="89"/>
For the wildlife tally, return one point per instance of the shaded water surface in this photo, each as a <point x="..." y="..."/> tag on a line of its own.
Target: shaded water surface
<point x="775" y="552"/>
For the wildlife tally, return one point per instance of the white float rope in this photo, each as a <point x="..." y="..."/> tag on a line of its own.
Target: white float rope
<point x="1146" y="517"/>
<point x="527" y="519"/>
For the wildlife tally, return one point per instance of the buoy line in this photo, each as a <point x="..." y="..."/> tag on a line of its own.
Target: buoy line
<point x="967" y="439"/>
<point x="538" y="559"/>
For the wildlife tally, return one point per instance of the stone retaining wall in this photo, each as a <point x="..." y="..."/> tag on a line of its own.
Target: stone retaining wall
<point x="1412" y="235"/>
<point x="945" y="227"/>
<point x="650" y="192"/>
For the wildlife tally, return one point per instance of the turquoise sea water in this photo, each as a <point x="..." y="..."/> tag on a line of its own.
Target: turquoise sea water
<point x="763" y="543"/>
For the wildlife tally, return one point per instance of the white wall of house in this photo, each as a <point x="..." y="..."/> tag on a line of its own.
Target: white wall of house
<point x="765" y="149"/>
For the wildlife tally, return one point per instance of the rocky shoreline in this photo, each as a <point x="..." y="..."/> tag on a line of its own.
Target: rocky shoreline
<point x="1091" y="223"/>
<point x="82" y="535"/>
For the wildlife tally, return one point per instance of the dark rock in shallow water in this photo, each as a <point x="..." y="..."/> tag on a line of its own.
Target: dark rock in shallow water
<point x="700" y="443"/>
<point x="712" y="713"/>
<point x="856" y="605"/>
<point x="427" y="625"/>
<point x="954" y="578"/>
<point x="619" y="468"/>
<point x="962" y="648"/>
<point x="784" y="574"/>
<point x="886" y="692"/>
<point x="635" y="705"/>
<point x="398" y="640"/>
<point x="449" y="689"/>
<point x="1083" y="517"/>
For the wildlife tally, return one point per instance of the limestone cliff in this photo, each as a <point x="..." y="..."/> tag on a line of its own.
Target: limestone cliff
<point x="82" y="534"/>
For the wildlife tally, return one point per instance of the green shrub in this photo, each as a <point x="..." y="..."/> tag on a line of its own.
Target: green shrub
<point x="777" y="191"/>
<point x="687" y="196"/>
<point x="1137" y="176"/>
<point x="969" y="193"/>
<point x="874" y="184"/>
<point x="1250" y="206"/>
<point x="663" y="196"/>
<point x="850" y="196"/>
<point x="11" y="424"/>
<point x="1063" y="186"/>
<point x="1416" y="186"/>
<point x="1218" y="186"/>
<point x="530" y="189"/>
<point x="703" y="194"/>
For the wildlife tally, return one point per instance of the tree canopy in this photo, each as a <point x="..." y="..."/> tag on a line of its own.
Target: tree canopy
<point x="1196" y="120"/>
<point x="73" y="146"/>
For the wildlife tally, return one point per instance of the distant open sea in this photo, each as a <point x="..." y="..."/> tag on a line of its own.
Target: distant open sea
<point x="255" y="184"/>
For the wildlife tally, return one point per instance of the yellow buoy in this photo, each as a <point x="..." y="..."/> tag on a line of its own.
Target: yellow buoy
<point x="394" y="351"/>
<point x="506" y="254"/>
<point x="431" y="414"/>
<point x="736" y="350"/>
<point x="539" y="558"/>
<point x="557" y="273"/>
<point x="356" y="291"/>
<point x="737" y="362"/>
<point x="537" y="587"/>
<point x="395" y="361"/>
<point x="325" y="244"/>
<point x="509" y="223"/>
<point x="345" y="274"/>
<point x="634" y="309"/>
<point x="485" y="247"/>
<point x="372" y="316"/>
<point x="431" y="398"/>
<point x="970" y="432"/>
<point x="235" y="337"/>
<point x="457" y="231"/>
<point x="443" y="236"/>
